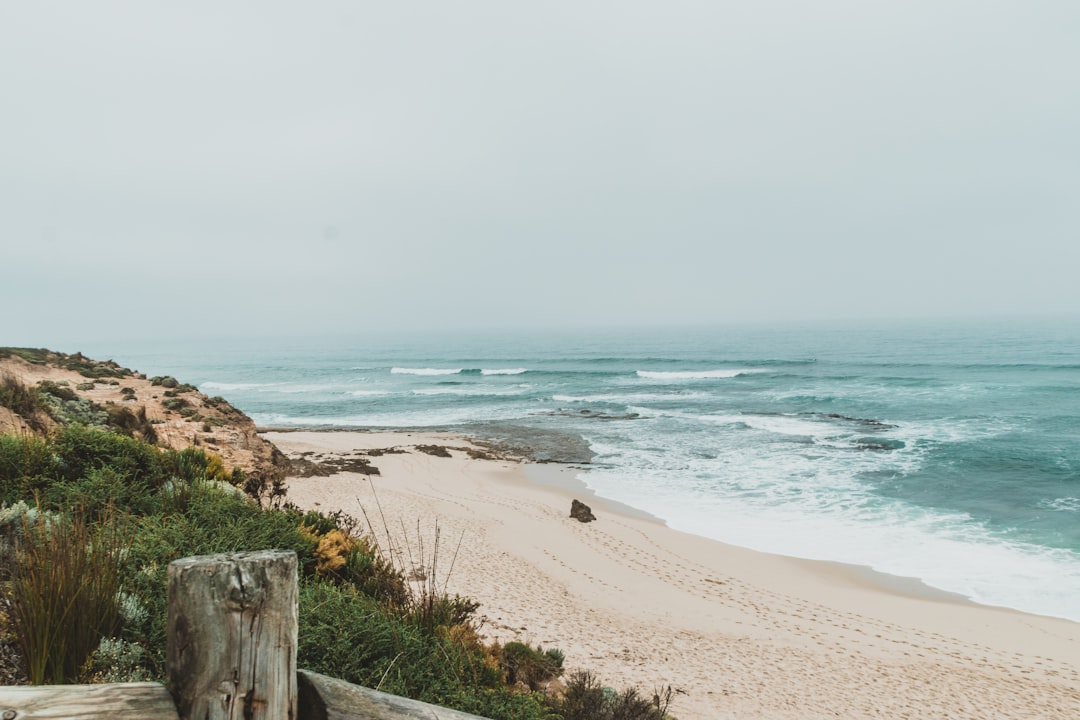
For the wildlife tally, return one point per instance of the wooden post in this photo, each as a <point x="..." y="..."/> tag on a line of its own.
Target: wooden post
<point x="231" y="649"/>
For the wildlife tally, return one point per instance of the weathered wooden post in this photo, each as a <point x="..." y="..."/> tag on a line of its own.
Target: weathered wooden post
<point x="231" y="652"/>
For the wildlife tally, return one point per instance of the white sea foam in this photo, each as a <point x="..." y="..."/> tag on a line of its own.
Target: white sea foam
<point x="297" y="388"/>
<point x="427" y="417"/>
<point x="953" y="430"/>
<point x="693" y="374"/>
<point x="369" y="393"/>
<point x="1062" y="504"/>
<point x="779" y="424"/>
<point x="792" y="505"/>
<point x="425" y="371"/>
<point x="470" y="391"/>
<point x="630" y="397"/>
<point x="228" y="387"/>
<point x="504" y="371"/>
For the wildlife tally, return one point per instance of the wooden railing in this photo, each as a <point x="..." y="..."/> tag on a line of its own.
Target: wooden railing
<point x="231" y="655"/>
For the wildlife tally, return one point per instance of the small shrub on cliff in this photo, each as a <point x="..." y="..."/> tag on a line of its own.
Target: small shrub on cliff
<point x="22" y="401"/>
<point x="133" y="424"/>
<point x="56" y="390"/>
<point x="66" y="407"/>
<point x="92" y="368"/>
<point x="175" y="403"/>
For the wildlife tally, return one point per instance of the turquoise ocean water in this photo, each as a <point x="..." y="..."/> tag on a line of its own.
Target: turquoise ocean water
<point x="947" y="452"/>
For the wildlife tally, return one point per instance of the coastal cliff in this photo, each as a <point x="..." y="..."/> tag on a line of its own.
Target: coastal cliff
<point x="41" y="389"/>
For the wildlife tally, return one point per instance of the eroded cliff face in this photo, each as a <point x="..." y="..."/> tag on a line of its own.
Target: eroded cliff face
<point x="161" y="410"/>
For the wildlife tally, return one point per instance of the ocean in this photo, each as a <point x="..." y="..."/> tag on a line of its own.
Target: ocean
<point x="946" y="452"/>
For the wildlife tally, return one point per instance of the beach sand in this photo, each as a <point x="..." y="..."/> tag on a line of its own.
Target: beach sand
<point x="741" y="634"/>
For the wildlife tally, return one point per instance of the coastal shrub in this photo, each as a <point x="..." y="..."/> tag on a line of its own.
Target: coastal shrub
<point x="66" y="407"/>
<point x="92" y="368"/>
<point x="132" y="424"/>
<point x="374" y="575"/>
<point x="174" y="403"/>
<point x="332" y="551"/>
<point x="167" y="381"/>
<point x="347" y="635"/>
<point x="585" y="698"/>
<point x="319" y="523"/>
<point x="115" y="661"/>
<point x="26" y="463"/>
<point x="65" y="580"/>
<point x="99" y="491"/>
<point x="14" y="519"/>
<point x="215" y="468"/>
<point x="34" y="356"/>
<point x="80" y="449"/>
<point x="56" y="390"/>
<point x="21" y="400"/>
<point x="268" y="489"/>
<point x="343" y="556"/>
<point x="531" y="667"/>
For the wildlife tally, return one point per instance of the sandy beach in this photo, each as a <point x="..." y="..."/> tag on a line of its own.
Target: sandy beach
<point x="741" y="634"/>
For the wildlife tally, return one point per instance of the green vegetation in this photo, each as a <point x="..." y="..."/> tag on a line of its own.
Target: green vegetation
<point x="585" y="698"/>
<point x="91" y="518"/>
<point x="531" y="667"/>
<point x="78" y="362"/>
<point x="21" y="400"/>
<point x="34" y="356"/>
<point x="64" y="589"/>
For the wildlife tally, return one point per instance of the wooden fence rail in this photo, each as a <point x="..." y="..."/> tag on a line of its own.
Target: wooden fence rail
<point x="231" y="655"/>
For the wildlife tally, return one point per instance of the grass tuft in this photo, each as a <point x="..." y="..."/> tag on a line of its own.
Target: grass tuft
<point x="65" y="586"/>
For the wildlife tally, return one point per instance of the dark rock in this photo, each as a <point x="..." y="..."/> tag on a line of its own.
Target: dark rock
<point x="581" y="512"/>
<point x="435" y="450"/>
<point x="319" y="466"/>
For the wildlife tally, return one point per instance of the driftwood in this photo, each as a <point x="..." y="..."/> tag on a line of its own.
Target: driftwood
<point x="231" y="646"/>
<point x="134" y="701"/>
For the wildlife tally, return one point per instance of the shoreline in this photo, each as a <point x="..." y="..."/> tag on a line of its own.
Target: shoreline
<point x="741" y="632"/>
<point x="564" y="476"/>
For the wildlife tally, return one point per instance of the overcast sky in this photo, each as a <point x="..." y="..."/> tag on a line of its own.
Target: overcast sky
<point x="311" y="167"/>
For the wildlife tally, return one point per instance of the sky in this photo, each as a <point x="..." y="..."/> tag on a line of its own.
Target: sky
<point x="262" y="168"/>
